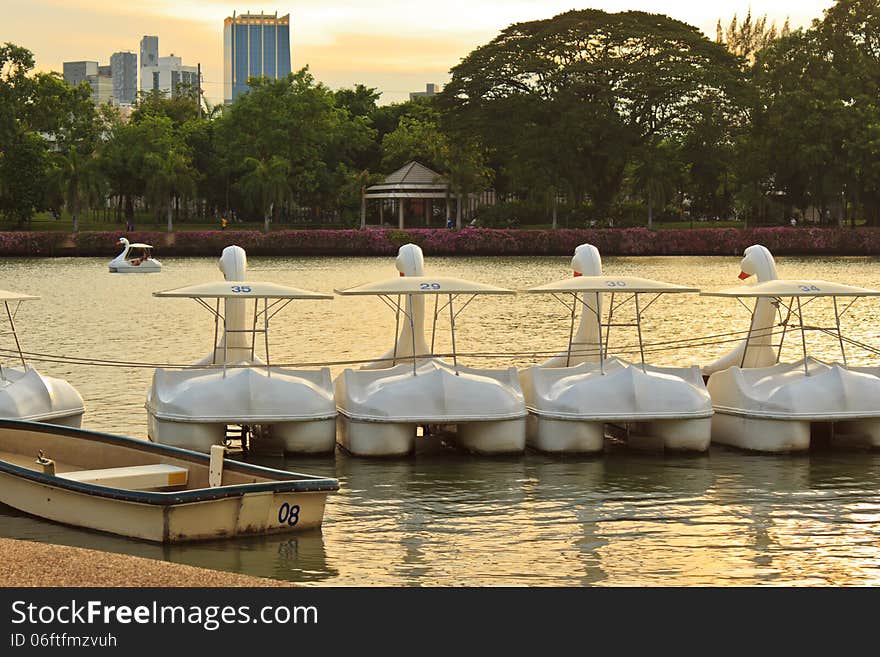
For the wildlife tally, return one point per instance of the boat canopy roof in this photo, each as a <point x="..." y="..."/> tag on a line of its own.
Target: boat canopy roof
<point x="241" y="290"/>
<point x="138" y="245"/>
<point x="6" y="295"/>
<point x="634" y="284"/>
<point x="794" y="288"/>
<point x="424" y="285"/>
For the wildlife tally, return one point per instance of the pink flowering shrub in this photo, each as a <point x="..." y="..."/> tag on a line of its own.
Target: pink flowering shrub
<point x="468" y="241"/>
<point x="28" y="243"/>
<point x="103" y="243"/>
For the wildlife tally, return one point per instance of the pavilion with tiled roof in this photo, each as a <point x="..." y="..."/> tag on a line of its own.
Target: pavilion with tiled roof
<point x="413" y="186"/>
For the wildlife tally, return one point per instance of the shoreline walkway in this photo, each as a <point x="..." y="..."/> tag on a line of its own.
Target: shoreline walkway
<point x="27" y="563"/>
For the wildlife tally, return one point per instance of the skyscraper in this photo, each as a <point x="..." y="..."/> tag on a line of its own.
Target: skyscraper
<point x="77" y="72"/>
<point x="149" y="51"/>
<point x="168" y="73"/>
<point x="98" y="78"/>
<point x="254" y="45"/>
<point x="123" y="70"/>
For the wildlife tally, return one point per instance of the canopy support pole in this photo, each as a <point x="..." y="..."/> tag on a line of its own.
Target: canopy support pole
<point x="216" y="329"/>
<point x="571" y="330"/>
<point x="434" y="326"/>
<point x="608" y="328"/>
<point x="14" y="334"/>
<point x="265" y="332"/>
<point x="742" y="363"/>
<point x="452" y="332"/>
<point x="225" y="345"/>
<point x="639" y="330"/>
<point x="599" y="323"/>
<point x="254" y="329"/>
<point x="396" y="332"/>
<point x="839" y="335"/>
<point x="784" y="323"/>
<point x="412" y="328"/>
<point x="803" y="337"/>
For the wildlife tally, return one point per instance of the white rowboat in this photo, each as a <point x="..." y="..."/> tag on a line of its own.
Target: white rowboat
<point x="147" y="491"/>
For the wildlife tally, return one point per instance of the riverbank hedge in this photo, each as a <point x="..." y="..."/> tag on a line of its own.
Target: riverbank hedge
<point x="469" y="241"/>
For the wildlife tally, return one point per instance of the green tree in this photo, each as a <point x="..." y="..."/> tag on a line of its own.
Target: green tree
<point x="24" y="168"/>
<point x="656" y="174"/>
<point x="583" y="92"/>
<point x="266" y="185"/>
<point x="297" y="120"/>
<point x="169" y="176"/>
<point x="77" y="176"/>
<point x="746" y="38"/>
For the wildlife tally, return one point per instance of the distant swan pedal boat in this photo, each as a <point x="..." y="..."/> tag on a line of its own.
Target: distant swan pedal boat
<point x="767" y="406"/>
<point x="25" y="394"/>
<point x="146" y="491"/>
<point x="573" y="397"/>
<point x="135" y="259"/>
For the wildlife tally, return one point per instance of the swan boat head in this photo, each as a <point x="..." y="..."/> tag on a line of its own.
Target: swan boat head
<point x="233" y="263"/>
<point x="586" y="261"/>
<point x="410" y="260"/>
<point x="758" y="261"/>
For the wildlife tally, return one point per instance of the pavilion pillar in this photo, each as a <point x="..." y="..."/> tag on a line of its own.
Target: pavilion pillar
<point x="363" y="207"/>
<point x="400" y="213"/>
<point x="447" y="211"/>
<point x="381" y="211"/>
<point x="428" y="211"/>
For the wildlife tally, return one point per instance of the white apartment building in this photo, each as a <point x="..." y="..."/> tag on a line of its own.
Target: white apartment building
<point x="169" y="73"/>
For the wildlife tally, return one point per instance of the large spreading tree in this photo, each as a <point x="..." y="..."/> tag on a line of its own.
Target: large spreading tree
<point x="578" y="96"/>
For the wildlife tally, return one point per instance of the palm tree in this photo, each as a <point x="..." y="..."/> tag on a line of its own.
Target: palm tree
<point x="76" y="176"/>
<point x="168" y="176"/>
<point x="655" y="176"/>
<point x="266" y="184"/>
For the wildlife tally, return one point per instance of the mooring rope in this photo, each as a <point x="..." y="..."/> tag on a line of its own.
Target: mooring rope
<point x="677" y="344"/>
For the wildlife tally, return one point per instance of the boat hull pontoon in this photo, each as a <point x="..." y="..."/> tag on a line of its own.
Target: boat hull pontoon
<point x="783" y="407"/>
<point x="578" y="396"/>
<point x="149" y="266"/>
<point x="658" y="407"/>
<point x="25" y="394"/>
<point x="384" y="404"/>
<point x="381" y="410"/>
<point x="193" y="409"/>
<point x="271" y="409"/>
<point x="767" y="406"/>
<point x="141" y="490"/>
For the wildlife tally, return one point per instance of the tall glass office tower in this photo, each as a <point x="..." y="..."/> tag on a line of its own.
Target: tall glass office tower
<point x="254" y="45"/>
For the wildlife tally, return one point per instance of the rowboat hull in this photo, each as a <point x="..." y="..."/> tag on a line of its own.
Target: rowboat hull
<point x="255" y="500"/>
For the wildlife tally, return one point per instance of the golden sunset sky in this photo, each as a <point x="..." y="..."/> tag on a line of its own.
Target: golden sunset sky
<point x="394" y="45"/>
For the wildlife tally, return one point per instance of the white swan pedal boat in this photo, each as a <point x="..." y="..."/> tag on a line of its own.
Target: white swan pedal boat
<point x="382" y="406"/>
<point x="280" y="409"/>
<point x="136" y="258"/>
<point x="764" y="405"/>
<point x="142" y="490"/>
<point x="25" y="394"/>
<point x="574" y="396"/>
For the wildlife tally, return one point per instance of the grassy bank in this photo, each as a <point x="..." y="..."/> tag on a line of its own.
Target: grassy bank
<point x="469" y="241"/>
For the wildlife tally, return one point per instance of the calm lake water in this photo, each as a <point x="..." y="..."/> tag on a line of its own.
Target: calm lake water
<point x="443" y="518"/>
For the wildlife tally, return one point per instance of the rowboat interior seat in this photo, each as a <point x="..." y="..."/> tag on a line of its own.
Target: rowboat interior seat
<point x="136" y="477"/>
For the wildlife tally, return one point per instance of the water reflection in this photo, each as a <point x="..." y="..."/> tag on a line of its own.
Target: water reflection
<point x="620" y="519"/>
<point x="443" y="518"/>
